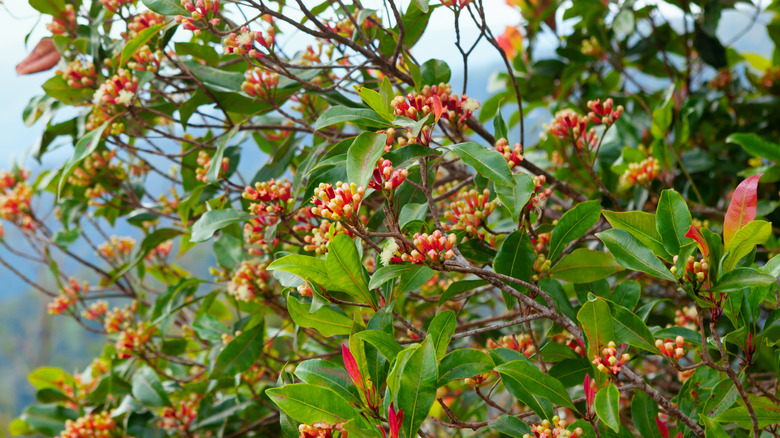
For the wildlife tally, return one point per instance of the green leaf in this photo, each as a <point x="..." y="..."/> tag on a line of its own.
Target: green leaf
<point x="756" y="146"/>
<point x="523" y="391"/>
<point x="148" y="390"/>
<point x="742" y="278"/>
<point x="673" y="220"/>
<point x="363" y="155"/>
<point x="307" y="267"/>
<point x="346" y="272"/>
<point x="585" y="266"/>
<point x="712" y="429"/>
<point x="137" y="42"/>
<point x="723" y="395"/>
<point x="766" y="414"/>
<point x="209" y="328"/>
<point x="573" y="225"/>
<point x="441" y="330"/>
<point x="216" y="161"/>
<point x="57" y="88"/>
<point x="536" y="382"/>
<point x="320" y="372"/>
<point x="630" y="253"/>
<point x="598" y="329"/>
<point x="418" y="387"/>
<point x="511" y="426"/>
<point x="434" y="71"/>
<point x="644" y="412"/>
<point x="18" y="427"/>
<point x="212" y="221"/>
<point x="50" y="377"/>
<point x="752" y="234"/>
<point x="309" y="404"/>
<point x="630" y="329"/>
<point x="515" y="258"/>
<point x="384" y="342"/>
<point x="642" y="226"/>
<point x="325" y="320"/>
<point x="47" y="419"/>
<point x="516" y="196"/>
<point x="359" y="116"/>
<point x="165" y="7"/>
<point x="240" y="353"/>
<point x="412" y="212"/>
<point x="458" y="287"/>
<point x="221" y="80"/>
<point x="387" y="273"/>
<point x="624" y="21"/>
<point x="486" y="162"/>
<point x="374" y="100"/>
<point x="607" y="403"/>
<point x="414" y="278"/>
<point x="464" y="363"/>
<point x="85" y="146"/>
<point x="49" y="7"/>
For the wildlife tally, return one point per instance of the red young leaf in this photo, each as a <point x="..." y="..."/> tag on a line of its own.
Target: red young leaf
<point x="742" y="208"/>
<point x="695" y="234"/>
<point x="437" y="109"/>
<point x="43" y="57"/>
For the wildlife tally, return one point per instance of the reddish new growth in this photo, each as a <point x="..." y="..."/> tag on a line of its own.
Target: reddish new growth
<point x="433" y="248"/>
<point x="589" y="387"/>
<point x="249" y="280"/>
<point x="15" y="198"/>
<point x="199" y="10"/>
<point x="78" y="75"/>
<point x="68" y="297"/>
<point x="671" y="349"/>
<point x="242" y="43"/>
<point x="339" y="202"/>
<point x="470" y="212"/>
<point x="513" y="155"/>
<point x="554" y="429"/>
<point x="664" y="429"/>
<point x="437" y="99"/>
<point x="386" y="177"/>
<point x="259" y="83"/>
<point x="370" y="395"/>
<point x="91" y="426"/>
<point x="611" y="361"/>
<point x="119" y="89"/>
<point x="521" y="343"/>
<point x="641" y="173"/>
<point x="176" y="419"/>
<point x="204" y="163"/>
<point x="65" y="23"/>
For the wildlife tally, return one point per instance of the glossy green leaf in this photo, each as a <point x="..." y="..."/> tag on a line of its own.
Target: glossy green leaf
<point x="147" y="389"/>
<point x="325" y="320"/>
<point x="516" y="196"/>
<point x="585" y="266"/>
<point x="212" y="176"/>
<point x="359" y="116"/>
<point x="346" y="272"/>
<point x="434" y="71"/>
<point x="486" y="162"/>
<point x="515" y="258"/>
<point x="441" y="330"/>
<point x="742" y="278"/>
<point x="536" y="382"/>
<point x="418" y="387"/>
<point x="630" y="253"/>
<point x="722" y="397"/>
<point x="241" y="353"/>
<point x="414" y="279"/>
<point x="464" y="363"/>
<point x="510" y="426"/>
<point x="642" y="226"/>
<point x="85" y="146"/>
<point x="387" y="273"/>
<point x="374" y="100"/>
<point x="309" y="404"/>
<point x="137" y="42"/>
<point x="212" y="221"/>
<point x="630" y="329"/>
<point x="644" y="411"/>
<point x="363" y="155"/>
<point x="756" y="146"/>
<point x="573" y="225"/>
<point x="521" y="390"/>
<point x="320" y="372"/>
<point x="743" y="242"/>
<point x="607" y="403"/>
<point x="306" y="267"/>
<point x="598" y="329"/>
<point x="673" y="220"/>
<point x="383" y="342"/>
